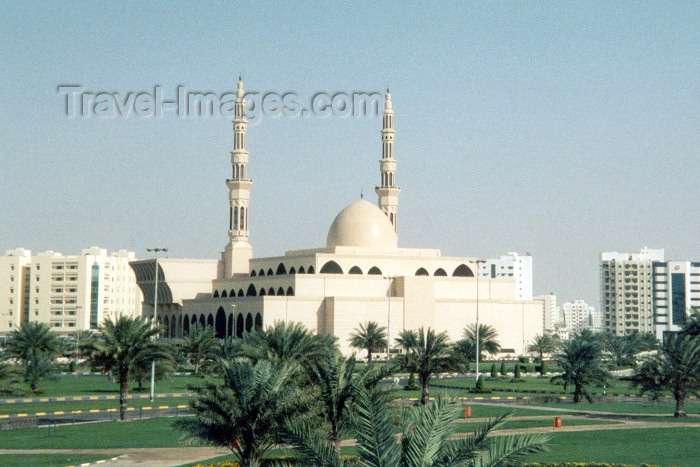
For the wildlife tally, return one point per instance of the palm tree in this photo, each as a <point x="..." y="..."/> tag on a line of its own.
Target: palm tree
<point x="39" y="365"/>
<point x="425" y="440"/>
<point x="676" y="368"/>
<point x="246" y="412"/>
<point x="542" y="344"/>
<point x="371" y="337"/>
<point x="692" y="322"/>
<point x="488" y="339"/>
<point x="10" y="378"/>
<point x="32" y="337"/>
<point x="580" y="361"/>
<point x="286" y="342"/>
<point x="430" y="354"/>
<point x="122" y="346"/>
<point x="200" y="344"/>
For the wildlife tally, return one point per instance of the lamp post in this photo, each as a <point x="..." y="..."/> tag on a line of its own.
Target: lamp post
<point x="388" y="319"/>
<point x="477" y="262"/>
<point x="155" y="313"/>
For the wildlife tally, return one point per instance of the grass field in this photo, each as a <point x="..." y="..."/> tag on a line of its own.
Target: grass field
<point x="95" y="435"/>
<point x="514" y="424"/>
<point x="535" y="384"/>
<point x="49" y="460"/>
<point x="662" y="446"/>
<point x="629" y="407"/>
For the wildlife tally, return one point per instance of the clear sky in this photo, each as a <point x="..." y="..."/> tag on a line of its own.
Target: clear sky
<point x="556" y="128"/>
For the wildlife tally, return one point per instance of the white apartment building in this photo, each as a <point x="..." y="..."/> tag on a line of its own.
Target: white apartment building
<point x="580" y="315"/>
<point x="67" y="292"/>
<point x="552" y="313"/>
<point x="676" y="291"/>
<point x="626" y="284"/>
<point x="513" y="267"/>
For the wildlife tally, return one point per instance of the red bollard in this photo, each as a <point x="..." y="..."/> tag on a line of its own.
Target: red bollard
<point x="557" y="422"/>
<point x="467" y="411"/>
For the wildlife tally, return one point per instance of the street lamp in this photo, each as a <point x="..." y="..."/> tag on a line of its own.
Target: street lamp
<point x="155" y="313"/>
<point x="388" y="319"/>
<point x="477" y="262"/>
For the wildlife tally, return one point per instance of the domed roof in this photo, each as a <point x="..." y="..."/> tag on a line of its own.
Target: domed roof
<point x="362" y="224"/>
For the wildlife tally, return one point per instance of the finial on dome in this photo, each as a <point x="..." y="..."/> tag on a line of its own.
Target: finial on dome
<point x="362" y="193"/>
<point x="240" y="77"/>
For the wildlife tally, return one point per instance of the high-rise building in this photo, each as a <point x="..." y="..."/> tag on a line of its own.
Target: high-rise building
<point x="626" y="284"/>
<point x="67" y="292"/>
<point x="676" y="291"/>
<point x="514" y="267"/>
<point x="580" y="315"/>
<point x="551" y="312"/>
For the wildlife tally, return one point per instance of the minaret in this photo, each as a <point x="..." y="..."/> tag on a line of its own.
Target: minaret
<point x="388" y="192"/>
<point x="238" y="251"/>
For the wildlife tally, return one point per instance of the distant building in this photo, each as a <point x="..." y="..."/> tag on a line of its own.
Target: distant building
<point x="626" y="283"/>
<point x="513" y="267"/>
<point x="580" y="315"/>
<point x="676" y="289"/>
<point x="67" y="292"/>
<point x="552" y="313"/>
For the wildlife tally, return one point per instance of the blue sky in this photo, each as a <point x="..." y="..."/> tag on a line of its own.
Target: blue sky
<point x="553" y="128"/>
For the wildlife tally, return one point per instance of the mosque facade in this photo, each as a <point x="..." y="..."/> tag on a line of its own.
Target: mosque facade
<point x="360" y="275"/>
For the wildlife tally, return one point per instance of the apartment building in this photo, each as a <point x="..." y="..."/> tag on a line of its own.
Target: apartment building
<point x="514" y="267"/>
<point x="676" y="290"/>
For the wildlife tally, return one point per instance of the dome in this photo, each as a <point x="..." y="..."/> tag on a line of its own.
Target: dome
<point x="362" y="224"/>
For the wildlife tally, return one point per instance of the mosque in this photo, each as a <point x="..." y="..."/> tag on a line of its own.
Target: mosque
<point x="361" y="275"/>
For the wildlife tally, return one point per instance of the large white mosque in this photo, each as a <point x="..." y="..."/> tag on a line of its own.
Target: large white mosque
<point x="360" y="275"/>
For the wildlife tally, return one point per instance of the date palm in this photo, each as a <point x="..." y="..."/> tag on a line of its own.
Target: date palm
<point x="200" y="344"/>
<point x="676" y="368"/>
<point x="488" y="339"/>
<point x="429" y="355"/>
<point x="10" y="378"/>
<point x="245" y="414"/>
<point x="370" y="337"/>
<point x="580" y="361"/>
<point x="425" y="440"/>
<point x="121" y="348"/>
<point x="32" y="337"/>
<point x="542" y="344"/>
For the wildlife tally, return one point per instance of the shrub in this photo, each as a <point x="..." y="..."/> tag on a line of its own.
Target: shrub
<point x="517" y="372"/>
<point x="503" y="368"/>
<point x="524" y="359"/>
<point x="494" y="373"/>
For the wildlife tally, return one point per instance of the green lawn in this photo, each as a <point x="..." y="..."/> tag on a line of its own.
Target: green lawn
<point x="661" y="446"/>
<point x="515" y="424"/>
<point x="87" y="405"/>
<point x="628" y="407"/>
<point x="49" y="460"/>
<point x="155" y="432"/>
<point x="534" y="384"/>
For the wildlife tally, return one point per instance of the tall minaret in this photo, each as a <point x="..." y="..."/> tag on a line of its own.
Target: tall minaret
<point x="388" y="192"/>
<point x="238" y="251"/>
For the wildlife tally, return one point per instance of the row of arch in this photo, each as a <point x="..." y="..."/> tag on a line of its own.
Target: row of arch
<point x="282" y="270"/>
<point x="224" y="325"/>
<point x="253" y="292"/>
<point x="331" y="267"/>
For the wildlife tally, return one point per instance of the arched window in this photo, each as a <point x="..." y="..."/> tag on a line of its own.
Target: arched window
<point x="249" y="322"/>
<point x="167" y="326"/>
<point x="292" y="270"/>
<point x="229" y="330"/>
<point x="290" y="291"/>
<point x="374" y="271"/>
<point x="239" y="326"/>
<point x="258" y="322"/>
<point x="216" y="294"/>
<point x="271" y="291"/>
<point x="186" y="326"/>
<point x="262" y="293"/>
<point x="179" y="327"/>
<point x="251" y="291"/>
<point x="269" y="271"/>
<point x="310" y="270"/>
<point x="355" y="270"/>
<point x="253" y="273"/>
<point x="202" y="321"/>
<point x="240" y="292"/>
<point x="440" y="272"/>
<point x="463" y="271"/>
<point x="220" y="328"/>
<point x="224" y="294"/>
<point x="261" y="273"/>
<point x="242" y="223"/>
<point x="194" y="320"/>
<point x="210" y="320"/>
<point x="422" y="272"/>
<point x="281" y="270"/>
<point x="280" y="291"/>
<point x="301" y="270"/>
<point x="331" y="267"/>
<point x="235" y="218"/>
<point x="232" y="293"/>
